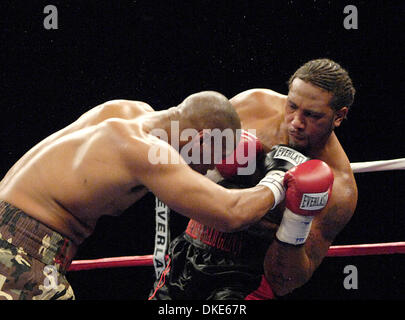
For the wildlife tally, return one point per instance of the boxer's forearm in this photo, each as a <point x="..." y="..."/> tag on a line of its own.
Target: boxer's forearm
<point x="247" y="207"/>
<point x="287" y="267"/>
<point x="226" y="210"/>
<point x="196" y="197"/>
<point x="229" y="210"/>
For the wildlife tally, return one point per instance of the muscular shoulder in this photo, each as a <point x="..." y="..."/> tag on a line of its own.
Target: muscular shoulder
<point x="121" y="109"/>
<point x="258" y="98"/>
<point x="343" y="201"/>
<point x="345" y="189"/>
<point x="124" y="109"/>
<point x="140" y="150"/>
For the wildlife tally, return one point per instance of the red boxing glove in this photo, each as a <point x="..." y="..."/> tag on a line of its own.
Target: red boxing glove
<point x="309" y="187"/>
<point x="244" y="155"/>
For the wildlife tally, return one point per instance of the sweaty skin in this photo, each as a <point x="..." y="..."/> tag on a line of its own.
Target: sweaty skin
<point x="71" y="178"/>
<point x="304" y="120"/>
<point x="99" y="165"/>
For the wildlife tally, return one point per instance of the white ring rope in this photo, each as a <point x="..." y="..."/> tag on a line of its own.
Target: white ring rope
<point x="381" y="165"/>
<point x="345" y="250"/>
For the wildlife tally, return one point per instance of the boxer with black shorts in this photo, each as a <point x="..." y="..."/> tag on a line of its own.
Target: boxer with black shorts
<point x="281" y="252"/>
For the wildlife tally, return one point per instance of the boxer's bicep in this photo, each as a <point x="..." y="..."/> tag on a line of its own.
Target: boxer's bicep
<point x="330" y="223"/>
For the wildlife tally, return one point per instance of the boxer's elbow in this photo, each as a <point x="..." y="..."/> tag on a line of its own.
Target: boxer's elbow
<point x="283" y="284"/>
<point x="237" y="209"/>
<point x="284" y="280"/>
<point x="246" y="210"/>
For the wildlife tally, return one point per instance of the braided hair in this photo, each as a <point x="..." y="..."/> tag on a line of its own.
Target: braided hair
<point x="330" y="76"/>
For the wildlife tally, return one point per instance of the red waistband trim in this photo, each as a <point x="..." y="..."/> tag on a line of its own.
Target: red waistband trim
<point x="228" y="242"/>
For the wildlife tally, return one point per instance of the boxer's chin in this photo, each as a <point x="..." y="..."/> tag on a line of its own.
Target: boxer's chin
<point x="300" y="145"/>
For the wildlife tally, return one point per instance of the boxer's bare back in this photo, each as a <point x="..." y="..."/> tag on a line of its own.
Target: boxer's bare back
<point x="70" y="179"/>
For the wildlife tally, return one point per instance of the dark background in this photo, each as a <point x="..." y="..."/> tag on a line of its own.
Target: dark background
<point x="160" y="52"/>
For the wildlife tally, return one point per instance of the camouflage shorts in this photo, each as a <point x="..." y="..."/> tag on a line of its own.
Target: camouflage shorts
<point x="33" y="258"/>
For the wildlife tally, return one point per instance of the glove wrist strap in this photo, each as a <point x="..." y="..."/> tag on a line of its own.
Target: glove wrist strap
<point x="294" y="228"/>
<point x="274" y="180"/>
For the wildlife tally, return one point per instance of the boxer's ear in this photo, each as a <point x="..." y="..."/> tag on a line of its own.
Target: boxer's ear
<point x="340" y="115"/>
<point x="205" y="136"/>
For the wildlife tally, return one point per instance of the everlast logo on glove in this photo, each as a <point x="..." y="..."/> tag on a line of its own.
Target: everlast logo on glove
<point x="290" y="155"/>
<point x="314" y="201"/>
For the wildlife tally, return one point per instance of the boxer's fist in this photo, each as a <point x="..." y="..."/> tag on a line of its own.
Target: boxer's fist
<point x="279" y="160"/>
<point x="309" y="186"/>
<point x="244" y="154"/>
<point x="308" y="189"/>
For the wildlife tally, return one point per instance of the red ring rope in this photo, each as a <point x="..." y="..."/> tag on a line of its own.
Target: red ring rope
<point x="147" y="260"/>
<point x="116" y="262"/>
<point x="366" y="249"/>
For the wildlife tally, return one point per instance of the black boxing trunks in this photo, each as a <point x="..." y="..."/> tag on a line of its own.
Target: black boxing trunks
<point x="33" y="258"/>
<point x="206" y="264"/>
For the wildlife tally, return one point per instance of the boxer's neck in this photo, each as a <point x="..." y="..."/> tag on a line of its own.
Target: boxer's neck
<point x="169" y="121"/>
